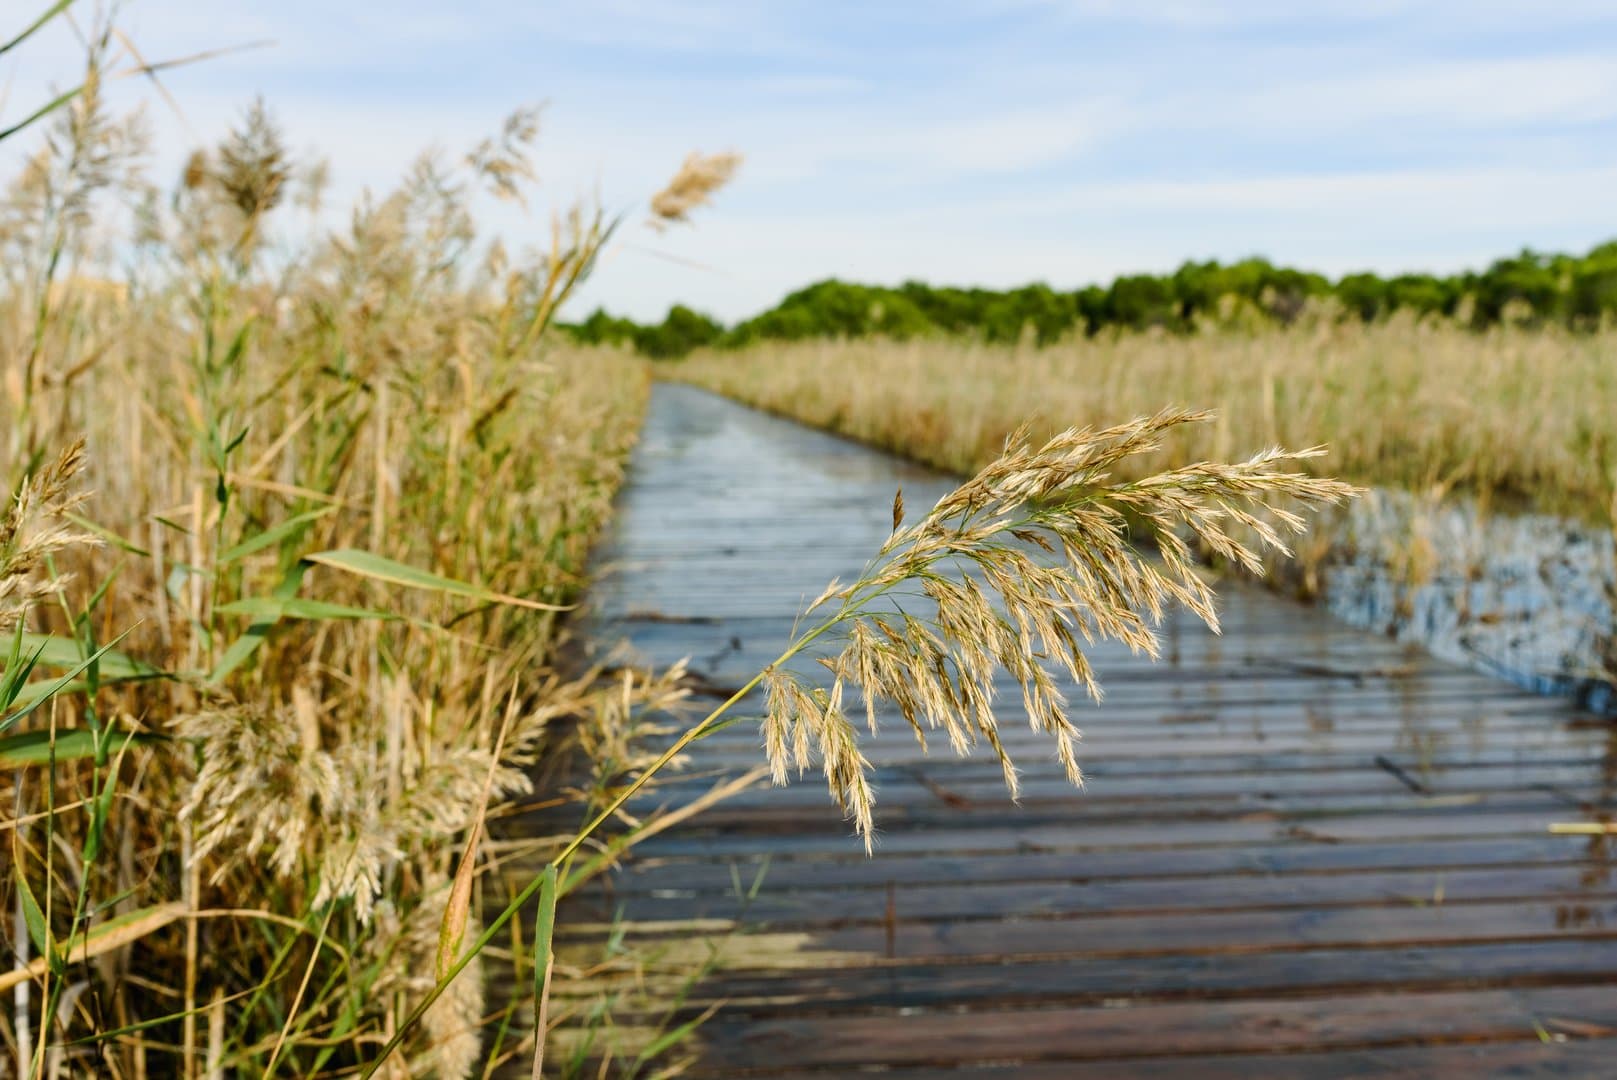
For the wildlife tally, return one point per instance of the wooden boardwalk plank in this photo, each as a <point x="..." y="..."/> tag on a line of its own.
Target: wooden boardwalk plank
<point x="811" y="906"/>
<point x="1520" y="1060"/>
<point x="903" y="989"/>
<point x="1194" y="1029"/>
<point x="1297" y="856"/>
<point x="1303" y="851"/>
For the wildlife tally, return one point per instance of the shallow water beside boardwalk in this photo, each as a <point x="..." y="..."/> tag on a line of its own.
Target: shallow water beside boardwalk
<point x="1303" y="851"/>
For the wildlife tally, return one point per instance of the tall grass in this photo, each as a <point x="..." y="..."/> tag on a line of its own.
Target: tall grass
<point x="291" y="521"/>
<point x="1519" y="418"/>
<point x="290" y="528"/>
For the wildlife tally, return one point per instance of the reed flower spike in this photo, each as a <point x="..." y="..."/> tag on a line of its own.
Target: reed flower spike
<point x="698" y="179"/>
<point x="35" y="526"/>
<point x="1018" y="571"/>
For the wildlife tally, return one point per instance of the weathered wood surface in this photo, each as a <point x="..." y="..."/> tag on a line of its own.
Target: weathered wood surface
<point x="1302" y="852"/>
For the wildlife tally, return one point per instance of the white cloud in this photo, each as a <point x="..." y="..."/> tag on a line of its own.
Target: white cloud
<point x="1225" y="14"/>
<point x="1477" y="93"/>
<point x="1459" y="198"/>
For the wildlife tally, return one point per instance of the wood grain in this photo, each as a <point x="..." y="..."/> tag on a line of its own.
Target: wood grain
<point x="1303" y="852"/>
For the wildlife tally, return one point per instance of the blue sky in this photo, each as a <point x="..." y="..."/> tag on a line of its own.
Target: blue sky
<point x="989" y="142"/>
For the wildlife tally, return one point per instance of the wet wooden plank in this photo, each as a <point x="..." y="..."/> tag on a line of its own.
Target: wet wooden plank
<point x="649" y="874"/>
<point x="902" y="989"/>
<point x="943" y="811"/>
<point x="1303" y="850"/>
<point x="1178" y="1029"/>
<point x="813" y="907"/>
<point x="1080" y="939"/>
<point x="966" y="790"/>
<point x="1544" y="1059"/>
<point x="1439" y="823"/>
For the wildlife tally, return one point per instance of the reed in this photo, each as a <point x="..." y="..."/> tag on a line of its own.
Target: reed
<point x="1516" y="417"/>
<point x="292" y="521"/>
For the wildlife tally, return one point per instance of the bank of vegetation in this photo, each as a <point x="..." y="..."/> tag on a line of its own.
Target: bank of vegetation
<point x="292" y="519"/>
<point x="1519" y="417"/>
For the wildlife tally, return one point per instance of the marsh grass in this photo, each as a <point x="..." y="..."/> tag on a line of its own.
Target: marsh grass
<point x="290" y="528"/>
<point x="1516" y="417"/>
<point x="291" y="520"/>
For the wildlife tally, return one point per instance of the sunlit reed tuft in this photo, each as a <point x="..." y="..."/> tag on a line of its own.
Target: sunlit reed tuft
<point x="693" y="186"/>
<point x="1017" y="571"/>
<point x="36" y="526"/>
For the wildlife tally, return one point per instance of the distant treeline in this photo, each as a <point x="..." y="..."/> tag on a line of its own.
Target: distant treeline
<point x="1571" y="290"/>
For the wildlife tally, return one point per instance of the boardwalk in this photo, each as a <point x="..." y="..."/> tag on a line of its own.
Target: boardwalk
<point x="1303" y="851"/>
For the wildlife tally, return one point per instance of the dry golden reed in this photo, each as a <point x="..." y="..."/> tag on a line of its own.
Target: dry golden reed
<point x="35" y="528"/>
<point x="327" y="494"/>
<point x="1016" y="572"/>
<point x="692" y="187"/>
<point x="1518" y="417"/>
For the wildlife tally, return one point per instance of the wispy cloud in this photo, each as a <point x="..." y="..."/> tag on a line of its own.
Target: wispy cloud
<point x="1198" y="14"/>
<point x="1227" y="14"/>
<point x="1519" y="195"/>
<point x="1488" y="93"/>
<point x="960" y="140"/>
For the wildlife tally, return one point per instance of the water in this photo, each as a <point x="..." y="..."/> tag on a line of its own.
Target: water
<point x="1527" y="598"/>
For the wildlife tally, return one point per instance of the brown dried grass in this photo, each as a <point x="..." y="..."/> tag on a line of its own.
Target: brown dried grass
<point x="313" y="745"/>
<point x="1517" y="417"/>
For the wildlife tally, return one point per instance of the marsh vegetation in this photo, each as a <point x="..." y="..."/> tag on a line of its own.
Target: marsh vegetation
<point x="296" y="515"/>
<point x="1518" y="417"/>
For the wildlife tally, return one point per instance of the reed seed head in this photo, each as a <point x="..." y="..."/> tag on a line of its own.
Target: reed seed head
<point x="505" y="162"/>
<point x="35" y="527"/>
<point x="1018" y="571"/>
<point x="694" y="185"/>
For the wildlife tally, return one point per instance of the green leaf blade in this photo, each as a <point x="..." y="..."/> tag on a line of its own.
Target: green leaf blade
<point x="272" y="536"/>
<point x="381" y="568"/>
<point x="36" y="748"/>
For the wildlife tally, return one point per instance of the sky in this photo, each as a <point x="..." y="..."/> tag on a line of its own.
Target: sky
<point x="966" y="142"/>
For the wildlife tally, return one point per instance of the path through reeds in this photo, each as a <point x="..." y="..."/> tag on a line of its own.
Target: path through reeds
<point x="1302" y="850"/>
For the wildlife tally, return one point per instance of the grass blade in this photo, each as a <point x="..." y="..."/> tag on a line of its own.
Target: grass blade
<point x="75" y="744"/>
<point x="271" y="536"/>
<point x="543" y="959"/>
<point x="37" y="25"/>
<point x="42" y="112"/>
<point x="103" y="938"/>
<point x="269" y="607"/>
<point x="38" y="931"/>
<point x="61" y="652"/>
<point x="119" y="542"/>
<point x="48" y="690"/>
<point x="379" y="568"/>
<point x="242" y="649"/>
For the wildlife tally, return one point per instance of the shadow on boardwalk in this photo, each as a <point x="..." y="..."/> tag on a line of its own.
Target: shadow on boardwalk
<point x="1303" y="851"/>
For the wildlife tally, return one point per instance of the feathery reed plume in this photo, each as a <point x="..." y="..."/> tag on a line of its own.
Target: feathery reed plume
<point x="36" y="527"/>
<point x="505" y="162"/>
<point x="694" y="185"/>
<point x="1017" y="571"/>
<point x="253" y="169"/>
<point x="196" y="171"/>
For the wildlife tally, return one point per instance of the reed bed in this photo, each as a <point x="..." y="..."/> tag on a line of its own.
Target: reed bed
<point x="1518" y="417"/>
<point x="292" y="521"/>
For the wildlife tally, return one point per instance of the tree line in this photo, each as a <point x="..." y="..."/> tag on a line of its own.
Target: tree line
<point x="1577" y="291"/>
